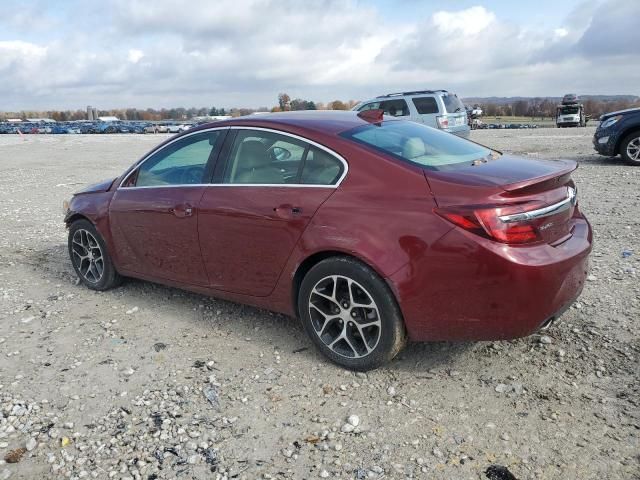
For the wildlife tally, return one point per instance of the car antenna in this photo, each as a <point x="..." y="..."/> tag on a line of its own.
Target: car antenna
<point x="372" y="116"/>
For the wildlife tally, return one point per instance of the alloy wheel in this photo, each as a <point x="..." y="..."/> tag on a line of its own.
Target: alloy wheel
<point x="345" y="316"/>
<point x="633" y="149"/>
<point x="87" y="255"/>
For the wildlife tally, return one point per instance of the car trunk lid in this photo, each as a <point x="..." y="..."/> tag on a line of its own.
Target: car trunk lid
<point x="510" y="199"/>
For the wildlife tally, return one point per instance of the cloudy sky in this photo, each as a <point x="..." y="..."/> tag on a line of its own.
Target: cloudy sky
<point x="162" y="53"/>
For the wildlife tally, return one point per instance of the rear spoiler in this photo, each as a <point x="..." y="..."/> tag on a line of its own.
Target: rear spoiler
<point x="543" y="182"/>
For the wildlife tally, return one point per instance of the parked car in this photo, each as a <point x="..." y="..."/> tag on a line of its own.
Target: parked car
<point x="371" y="230"/>
<point x="162" y="129"/>
<point x="434" y="108"/>
<point x="619" y="133"/>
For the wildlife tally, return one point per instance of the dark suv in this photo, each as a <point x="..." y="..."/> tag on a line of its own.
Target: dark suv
<point x="619" y="133"/>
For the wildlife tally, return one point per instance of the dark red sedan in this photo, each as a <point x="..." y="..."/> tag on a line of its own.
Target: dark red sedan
<point x="371" y="230"/>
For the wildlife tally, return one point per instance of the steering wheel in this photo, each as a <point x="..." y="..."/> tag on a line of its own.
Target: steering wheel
<point x="191" y="175"/>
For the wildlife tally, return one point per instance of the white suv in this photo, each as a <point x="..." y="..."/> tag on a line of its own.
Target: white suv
<point x="435" y="108"/>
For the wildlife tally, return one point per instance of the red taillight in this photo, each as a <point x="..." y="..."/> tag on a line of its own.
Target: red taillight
<point x="443" y="122"/>
<point x="487" y="222"/>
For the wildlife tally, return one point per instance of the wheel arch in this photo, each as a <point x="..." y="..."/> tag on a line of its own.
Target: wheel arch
<point x="623" y="135"/>
<point x="74" y="217"/>
<point x="310" y="261"/>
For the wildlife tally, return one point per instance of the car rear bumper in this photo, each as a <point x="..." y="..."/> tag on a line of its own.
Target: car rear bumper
<point x="472" y="288"/>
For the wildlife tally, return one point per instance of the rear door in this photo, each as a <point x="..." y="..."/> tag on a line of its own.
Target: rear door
<point x="262" y="199"/>
<point x="154" y="215"/>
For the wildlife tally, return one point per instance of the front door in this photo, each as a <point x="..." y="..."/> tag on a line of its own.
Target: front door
<point x="253" y="215"/>
<point x="154" y="213"/>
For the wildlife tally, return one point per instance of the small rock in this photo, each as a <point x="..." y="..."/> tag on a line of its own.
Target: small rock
<point x="31" y="444"/>
<point x="127" y="372"/>
<point x="133" y="310"/>
<point x="505" y="436"/>
<point x="391" y="391"/>
<point x="14" y="456"/>
<point x="502" y="387"/>
<point x="437" y="452"/>
<point x="347" y="428"/>
<point x="353" y="420"/>
<point x="324" y="474"/>
<point x="545" y="339"/>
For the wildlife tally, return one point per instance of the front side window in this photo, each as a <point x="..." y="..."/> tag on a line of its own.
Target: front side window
<point x="369" y="106"/>
<point x="260" y="157"/>
<point x="418" y="144"/>
<point x="180" y="163"/>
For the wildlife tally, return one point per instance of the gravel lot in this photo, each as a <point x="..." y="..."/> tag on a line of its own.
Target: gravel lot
<point x="151" y="382"/>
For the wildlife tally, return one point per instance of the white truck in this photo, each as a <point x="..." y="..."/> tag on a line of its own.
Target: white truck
<point x="570" y="113"/>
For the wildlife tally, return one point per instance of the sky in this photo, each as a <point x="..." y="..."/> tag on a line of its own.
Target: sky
<point x="168" y="53"/>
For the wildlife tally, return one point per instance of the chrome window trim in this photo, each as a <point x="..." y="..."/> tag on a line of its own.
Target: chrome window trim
<point x="152" y="153"/>
<point x="243" y="127"/>
<point x="544" y="211"/>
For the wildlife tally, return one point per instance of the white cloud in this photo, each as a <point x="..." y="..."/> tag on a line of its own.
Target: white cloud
<point x="244" y="52"/>
<point x="134" y="56"/>
<point x="464" y="22"/>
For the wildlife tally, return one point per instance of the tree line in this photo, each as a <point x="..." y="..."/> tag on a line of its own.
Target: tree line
<point x="546" y="107"/>
<point x="538" y="107"/>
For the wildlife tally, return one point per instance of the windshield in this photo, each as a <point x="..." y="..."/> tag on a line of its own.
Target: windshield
<point x="452" y="104"/>
<point x="569" y="110"/>
<point x="418" y="144"/>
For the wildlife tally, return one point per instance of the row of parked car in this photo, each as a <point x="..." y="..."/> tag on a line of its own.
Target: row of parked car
<point x="91" y="127"/>
<point x="493" y="126"/>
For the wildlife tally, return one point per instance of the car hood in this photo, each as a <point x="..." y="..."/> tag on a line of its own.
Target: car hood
<point x="628" y="111"/>
<point x="102" y="186"/>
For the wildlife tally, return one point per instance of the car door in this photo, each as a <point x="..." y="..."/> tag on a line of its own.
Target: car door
<point x="154" y="216"/>
<point x="262" y="199"/>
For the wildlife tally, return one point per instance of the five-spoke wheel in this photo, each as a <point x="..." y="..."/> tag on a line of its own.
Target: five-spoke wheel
<point x="630" y="149"/>
<point x="350" y="313"/>
<point x="90" y="258"/>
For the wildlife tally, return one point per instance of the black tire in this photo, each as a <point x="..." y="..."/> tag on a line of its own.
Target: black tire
<point x="624" y="153"/>
<point x="385" y="340"/>
<point x="108" y="276"/>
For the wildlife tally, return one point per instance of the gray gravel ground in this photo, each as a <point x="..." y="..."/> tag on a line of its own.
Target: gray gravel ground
<point x="151" y="382"/>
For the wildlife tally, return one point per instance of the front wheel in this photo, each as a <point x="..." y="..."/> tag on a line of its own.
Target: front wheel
<point x="630" y="149"/>
<point x="351" y="314"/>
<point x="90" y="258"/>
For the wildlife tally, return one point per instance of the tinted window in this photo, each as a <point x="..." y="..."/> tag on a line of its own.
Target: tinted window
<point x="418" y="144"/>
<point x="369" y="106"/>
<point x="182" y="162"/>
<point x="259" y="157"/>
<point x="425" y="105"/>
<point x="321" y="168"/>
<point x="452" y="103"/>
<point x="395" y="108"/>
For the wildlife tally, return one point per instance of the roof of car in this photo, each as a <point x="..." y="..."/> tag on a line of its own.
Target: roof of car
<point x="326" y="121"/>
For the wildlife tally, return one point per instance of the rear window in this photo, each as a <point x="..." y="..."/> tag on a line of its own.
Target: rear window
<point x="452" y="103"/>
<point x="418" y="144"/>
<point x="425" y="105"/>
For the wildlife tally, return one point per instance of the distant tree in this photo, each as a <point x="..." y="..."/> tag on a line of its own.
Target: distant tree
<point x="284" y="101"/>
<point x="520" y="108"/>
<point x="213" y="112"/>
<point x="337" y="105"/>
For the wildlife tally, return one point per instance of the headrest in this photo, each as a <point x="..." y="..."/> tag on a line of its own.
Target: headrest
<point x="252" y="153"/>
<point x="414" y="148"/>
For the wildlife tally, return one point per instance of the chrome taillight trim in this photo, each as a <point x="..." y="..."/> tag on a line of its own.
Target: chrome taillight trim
<point x="544" y="211"/>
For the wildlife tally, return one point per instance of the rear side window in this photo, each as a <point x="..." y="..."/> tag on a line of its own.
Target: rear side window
<point x="425" y="105"/>
<point x="418" y="144"/>
<point x="452" y="103"/>
<point x="321" y="168"/>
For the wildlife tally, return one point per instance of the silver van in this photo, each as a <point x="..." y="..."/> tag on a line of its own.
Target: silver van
<point x="435" y="108"/>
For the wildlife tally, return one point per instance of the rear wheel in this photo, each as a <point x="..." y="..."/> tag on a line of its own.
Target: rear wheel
<point x="630" y="149"/>
<point x="351" y="314"/>
<point x="90" y="257"/>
